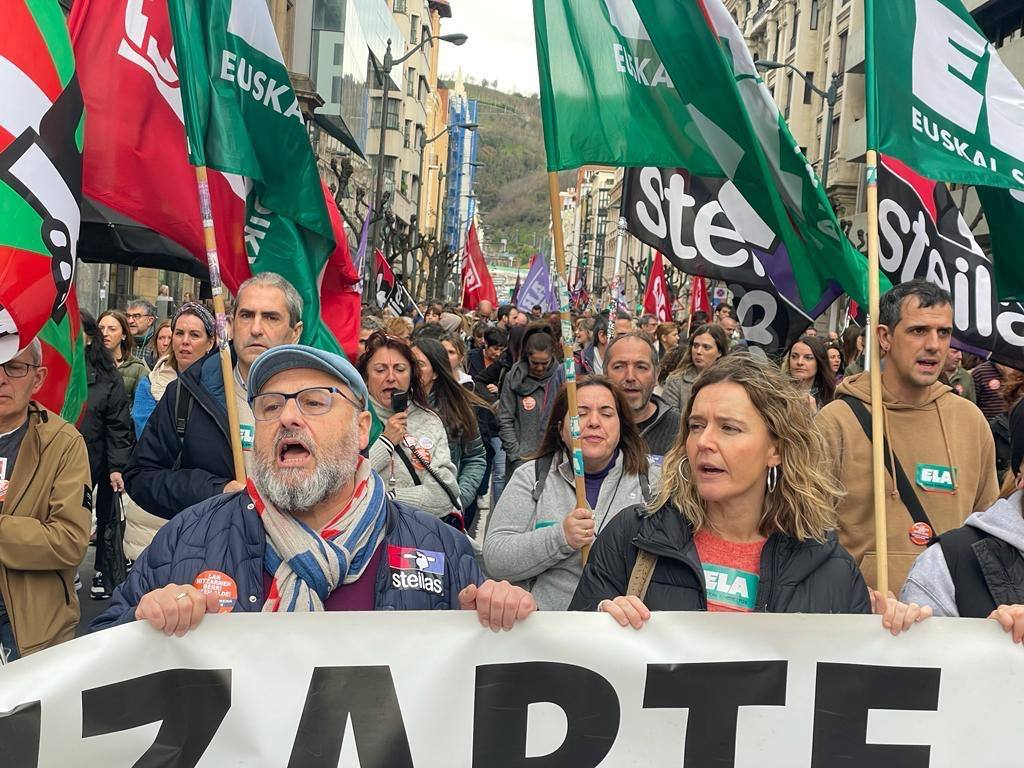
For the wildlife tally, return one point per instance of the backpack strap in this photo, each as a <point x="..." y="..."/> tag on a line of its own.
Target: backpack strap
<point x="541" y="469"/>
<point x="973" y="598"/>
<point x="645" y="487"/>
<point x="182" y="410"/>
<point x="640" y="577"/>
<point x="903" y="484"/>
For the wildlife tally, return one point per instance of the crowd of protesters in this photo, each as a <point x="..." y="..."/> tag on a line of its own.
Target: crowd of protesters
<point x="714" y="478"/>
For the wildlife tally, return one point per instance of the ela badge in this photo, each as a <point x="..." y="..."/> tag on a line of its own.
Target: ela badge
<point x="936" y="478"/>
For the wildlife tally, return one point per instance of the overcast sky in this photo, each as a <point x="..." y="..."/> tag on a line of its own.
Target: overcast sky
<point x="500" y="44"/>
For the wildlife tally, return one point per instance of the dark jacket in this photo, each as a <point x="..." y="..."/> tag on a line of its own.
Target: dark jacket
<point x="107" y="425"/>
<point x="585" y="361"/>
<point x="661" y="432"/>
<point x="796" y="577"/>
<point x="226" y="534"/>
<point x="155" y="478"/>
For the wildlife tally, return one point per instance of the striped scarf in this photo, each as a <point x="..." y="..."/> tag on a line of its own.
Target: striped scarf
<point x="308" y="566"/>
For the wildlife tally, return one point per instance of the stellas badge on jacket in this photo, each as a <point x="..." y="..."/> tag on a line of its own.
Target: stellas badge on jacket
<point x="418" y="569"/>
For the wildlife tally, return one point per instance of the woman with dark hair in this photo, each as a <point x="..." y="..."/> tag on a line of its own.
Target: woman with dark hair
<point x="455" y="405"/>
<point x="536" y="529"/>
<point x="745" y="518"/>
<point x="118" y="339"/>
<point x="808" y="365"/>
<point x="412" y="454"/>
<point x="192" y="337"/>
<point x="852" y="340"/>
<point x="527" y="395"/>
<point x="706" y="344"/>
<point x="107" y="429"/>
<point x="836" y="363"/>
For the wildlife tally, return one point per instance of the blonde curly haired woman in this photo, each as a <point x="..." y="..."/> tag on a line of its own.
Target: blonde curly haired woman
<point x="745" y="517"/>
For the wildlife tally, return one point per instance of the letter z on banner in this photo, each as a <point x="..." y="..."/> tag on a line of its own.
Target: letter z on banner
<point x="374" y="690"/>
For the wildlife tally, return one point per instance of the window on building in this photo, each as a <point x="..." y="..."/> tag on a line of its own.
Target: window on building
<point x="375" y="113"/>
<point x="389" y="168"/>
<point x="327" y="15"/>
<point x="795" y="29"/>
<point x="400" y="6"/>
<point x="394" y="108"/>
<point x="789" y="94"/>
<point x="410" y="82"/>
<point x="336" y="91"/>
<point x="778" y="41"/>
<point x="404" y="187"/>
<point x="835" y="136"/>
<point x="807" y="87"/>
<point x="815" y="12"/>
<point x="414" y="30"/>
<point x="407" y="134"/>
<point x="842" y="50"/>
<point x="338" y="51"/>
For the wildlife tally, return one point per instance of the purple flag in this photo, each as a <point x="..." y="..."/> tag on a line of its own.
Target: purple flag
<point x="360" y="258"/>
<point x="536" y="288"/>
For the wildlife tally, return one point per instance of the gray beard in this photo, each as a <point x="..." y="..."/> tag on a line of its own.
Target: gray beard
<point x="291" y="491"/>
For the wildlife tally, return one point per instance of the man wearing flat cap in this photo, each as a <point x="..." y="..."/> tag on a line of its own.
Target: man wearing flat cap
<point x="314" y="529"/>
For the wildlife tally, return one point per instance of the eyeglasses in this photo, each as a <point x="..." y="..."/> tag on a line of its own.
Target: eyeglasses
<point x="137" y="315"/>
<point x="16" y="369"/>
<point x="313" y="401"/>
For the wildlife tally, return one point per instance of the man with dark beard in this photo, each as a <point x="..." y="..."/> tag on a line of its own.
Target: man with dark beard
<point x="314" y="529"/>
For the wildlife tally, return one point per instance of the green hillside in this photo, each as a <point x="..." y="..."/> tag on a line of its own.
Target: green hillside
<point x="512" y="186"/>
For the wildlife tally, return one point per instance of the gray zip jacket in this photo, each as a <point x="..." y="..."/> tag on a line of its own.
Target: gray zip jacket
<point x="525" y="541"/>
<point x="929" y="581"/>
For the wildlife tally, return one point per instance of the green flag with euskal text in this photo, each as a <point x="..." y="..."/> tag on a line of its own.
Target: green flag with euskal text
<point x="242" y="117"/>
<point x="777" y="201"/>
<point x="952" y="110"/>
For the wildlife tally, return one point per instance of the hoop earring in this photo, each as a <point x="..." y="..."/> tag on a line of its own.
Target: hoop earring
<point x="773" y="478"/>
<point x="682" y="462"/>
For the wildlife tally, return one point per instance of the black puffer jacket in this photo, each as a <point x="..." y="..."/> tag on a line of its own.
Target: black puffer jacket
<point x="796" y="577"/>
<point x="107" y="424"/>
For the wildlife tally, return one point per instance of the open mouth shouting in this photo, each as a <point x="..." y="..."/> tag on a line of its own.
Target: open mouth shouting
<point x="293" y="451"/>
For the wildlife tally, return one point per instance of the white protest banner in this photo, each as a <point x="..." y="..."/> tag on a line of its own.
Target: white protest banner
<point x="396" y="690"/>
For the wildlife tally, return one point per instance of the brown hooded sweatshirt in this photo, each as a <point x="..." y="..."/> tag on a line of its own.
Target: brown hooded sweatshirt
<point x="945" y="432"/>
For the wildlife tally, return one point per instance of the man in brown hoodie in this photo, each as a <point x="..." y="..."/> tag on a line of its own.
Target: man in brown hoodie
<point x="942" y="441"/>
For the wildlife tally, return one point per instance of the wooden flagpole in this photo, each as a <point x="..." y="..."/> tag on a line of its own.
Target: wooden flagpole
<point x="217" y="288"/>
<point x="567" y="335"/>
<point x="877" y="426"/>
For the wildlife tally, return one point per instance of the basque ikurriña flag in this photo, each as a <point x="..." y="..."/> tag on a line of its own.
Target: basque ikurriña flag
<point x="41" y="133"/>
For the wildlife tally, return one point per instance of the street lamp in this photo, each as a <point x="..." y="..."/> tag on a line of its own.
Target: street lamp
<point x="385" y="74"/>
<point x="831" y="96"/>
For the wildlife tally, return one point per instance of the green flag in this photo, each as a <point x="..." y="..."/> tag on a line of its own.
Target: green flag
<point x="949" y="108"/>
<point x="779" y="204"/>
<point x="242" y="117"/>
<point x="606" y="98"/>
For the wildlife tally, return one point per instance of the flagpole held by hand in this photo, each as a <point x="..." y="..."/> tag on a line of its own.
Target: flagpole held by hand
<point x="217" y="289"/>
<point x="877" y="434"/>
<point x="567" y="336"/>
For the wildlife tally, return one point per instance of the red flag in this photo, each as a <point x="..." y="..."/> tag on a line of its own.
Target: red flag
<point x="477" y="284"/>
<point x="135" y="160"/>
<point x="699" y="301"/>
<point x="656" y="298"/>
<point x="340" y="299"/>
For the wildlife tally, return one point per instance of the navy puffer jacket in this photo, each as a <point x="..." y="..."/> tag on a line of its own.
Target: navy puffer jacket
<point x="225" y="534"/>
<point x="165" y="476"/>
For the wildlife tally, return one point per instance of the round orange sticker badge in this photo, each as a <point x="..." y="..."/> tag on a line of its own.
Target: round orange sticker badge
<point x="529" y="403"/>
<point x="219" y="584"/>
<point x="921" y="534"/>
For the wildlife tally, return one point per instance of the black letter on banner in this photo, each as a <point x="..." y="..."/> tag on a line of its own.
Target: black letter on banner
<point x="19" y="736"/>
<point x="504" y="693"/>
<point x="368" y="695"/>
<point x="714" y="693"/>
<point x="191" y="703"/>
<point x="844" y="693"/>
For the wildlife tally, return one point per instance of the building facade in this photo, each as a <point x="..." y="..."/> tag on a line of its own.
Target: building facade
<point x="460" y="202"/>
